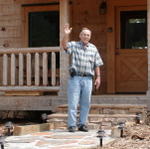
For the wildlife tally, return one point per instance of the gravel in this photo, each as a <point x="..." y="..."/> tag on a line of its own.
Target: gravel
<point x="135" y="137"/>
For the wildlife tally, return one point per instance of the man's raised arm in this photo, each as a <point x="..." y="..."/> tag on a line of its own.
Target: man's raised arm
<point x="67" y="31"/>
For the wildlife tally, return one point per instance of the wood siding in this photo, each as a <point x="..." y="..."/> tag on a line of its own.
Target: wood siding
<point x="85" y="13"/>
<point x="12" y="22"/>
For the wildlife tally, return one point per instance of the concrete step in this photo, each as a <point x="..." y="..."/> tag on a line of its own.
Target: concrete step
<point x="110" y="109"/>
<point x="59" y="120"/>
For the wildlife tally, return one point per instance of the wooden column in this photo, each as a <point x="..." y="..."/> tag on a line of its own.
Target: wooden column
<point x="110" y="68"/>
<point x="148" y="37"/>
<point x="64" y="59"/>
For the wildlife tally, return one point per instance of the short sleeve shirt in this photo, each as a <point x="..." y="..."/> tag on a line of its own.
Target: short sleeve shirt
<point x="84" y="58"/>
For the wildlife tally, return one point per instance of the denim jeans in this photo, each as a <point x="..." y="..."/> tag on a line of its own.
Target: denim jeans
<point x="79" y="93"/>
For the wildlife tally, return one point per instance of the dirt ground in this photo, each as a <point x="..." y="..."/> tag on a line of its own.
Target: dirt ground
<point x="135" y="137"/>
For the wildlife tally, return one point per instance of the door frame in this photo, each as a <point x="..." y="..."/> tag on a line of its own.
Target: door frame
<point x="111" y="36"/>
<point x="35" y="8"/>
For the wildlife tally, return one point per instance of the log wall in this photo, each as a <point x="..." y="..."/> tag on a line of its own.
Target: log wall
<point x="84" y="13"/>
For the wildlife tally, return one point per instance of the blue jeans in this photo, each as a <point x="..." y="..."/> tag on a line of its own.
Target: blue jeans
<point x="79" y="92"/>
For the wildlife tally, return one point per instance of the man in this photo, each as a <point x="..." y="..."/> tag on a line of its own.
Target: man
<point x="85" y="62"/>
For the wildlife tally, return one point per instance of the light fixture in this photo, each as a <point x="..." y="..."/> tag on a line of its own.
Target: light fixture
<point x="103" y="7"/>
<point x="121" y="127"/>
<point x="44" y="118"/>
<point x="2" y="142"/>
<point x="137" y="118"/>
<point x="101" y="134"/>
<point x="9" y="128"/>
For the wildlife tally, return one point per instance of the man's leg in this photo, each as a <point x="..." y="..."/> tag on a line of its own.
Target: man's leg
<point x="73" y="100"/>
<point x="85" y="99"/>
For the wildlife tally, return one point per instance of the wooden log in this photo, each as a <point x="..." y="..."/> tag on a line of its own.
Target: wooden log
<point x="28" y="75"/>
<point x="13" y="69"/>
<point x="30" y="88"/>
<point x="37" y="70"/>
<point x="29" y="50"/>
<point x="5" y="69"/>
<point x="11" y="31"/>
<point x="53" y="69"/>
<point x="21" y="73"/>
<point x="23" y="93"/>
<point x="28" y="129"/>
<point x="45" y="69"/>
<point x="34" y="1"/>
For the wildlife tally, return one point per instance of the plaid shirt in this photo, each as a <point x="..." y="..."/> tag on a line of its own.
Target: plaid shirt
<point x="84" y="58"/>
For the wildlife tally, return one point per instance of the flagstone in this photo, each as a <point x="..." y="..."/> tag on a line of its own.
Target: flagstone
<point x="55" y="139"/>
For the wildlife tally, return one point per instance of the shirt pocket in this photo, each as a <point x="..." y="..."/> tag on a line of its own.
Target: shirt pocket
<point x="91" y="61"/>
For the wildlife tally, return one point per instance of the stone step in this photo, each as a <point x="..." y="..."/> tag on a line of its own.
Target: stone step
<point x="110" y="109"/>
<point x="59" y="120"/>
<point x="120" y="106"/>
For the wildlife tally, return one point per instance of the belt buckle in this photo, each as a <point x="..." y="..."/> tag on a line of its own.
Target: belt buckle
<point x="83" y="75"/>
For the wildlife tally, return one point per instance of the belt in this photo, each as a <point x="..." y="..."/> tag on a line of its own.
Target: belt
<point x="83" y="75"/>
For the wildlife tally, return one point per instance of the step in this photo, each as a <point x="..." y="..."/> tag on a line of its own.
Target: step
<point x="119" y="106"/>
<point x="95" y="120"/>
<point x="110" y="109"/>
<point x="93" y="117"/>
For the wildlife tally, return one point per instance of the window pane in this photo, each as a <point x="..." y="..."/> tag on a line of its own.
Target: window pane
<point x="133" y="29"/>
<point x="43" y="29"/>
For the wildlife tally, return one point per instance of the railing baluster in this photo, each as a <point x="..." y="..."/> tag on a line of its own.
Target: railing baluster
<point x="5" y="69"/>
<point x="13" y="69"/>
<point x="28" y="62"/>
<point x="53" y="69"/>
<point x="22" y="72"/>
<point x="37" y="70"/>
<point x="21" y="69"/>
<point x="45" y="69"/>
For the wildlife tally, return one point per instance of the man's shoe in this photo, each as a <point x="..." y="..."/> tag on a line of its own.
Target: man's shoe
<point x="72" y="129"/>
<point x="83" y="128"/>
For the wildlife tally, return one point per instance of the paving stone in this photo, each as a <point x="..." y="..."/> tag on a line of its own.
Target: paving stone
<point x="56" y="139"/>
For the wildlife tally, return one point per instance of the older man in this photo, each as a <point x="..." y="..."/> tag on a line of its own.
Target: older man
<point x="85" y="62"/>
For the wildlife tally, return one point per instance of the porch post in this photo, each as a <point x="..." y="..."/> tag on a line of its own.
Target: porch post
<point x="64" y="59"/>
<point x="148" y="37"/>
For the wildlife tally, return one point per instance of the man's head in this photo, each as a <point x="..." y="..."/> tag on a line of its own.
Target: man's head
<point x="85" y="35"/>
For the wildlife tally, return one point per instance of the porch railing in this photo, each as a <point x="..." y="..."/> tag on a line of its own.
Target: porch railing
<point x="30" y="69"/>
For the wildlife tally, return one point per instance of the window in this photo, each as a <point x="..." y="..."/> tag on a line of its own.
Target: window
<point x="133" y="29"/>
<point x="43" y="28"/>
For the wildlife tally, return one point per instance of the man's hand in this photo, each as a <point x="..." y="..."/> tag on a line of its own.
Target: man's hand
<point x="97" y="83"/>
<point x="67" y="29"/>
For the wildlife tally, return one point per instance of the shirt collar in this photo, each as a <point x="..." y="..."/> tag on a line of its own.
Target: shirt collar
<point x="84" y="45"/>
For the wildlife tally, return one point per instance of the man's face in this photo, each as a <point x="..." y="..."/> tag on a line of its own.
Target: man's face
<point x="85" y="36"/>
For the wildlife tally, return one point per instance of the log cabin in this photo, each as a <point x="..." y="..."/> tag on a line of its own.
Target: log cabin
<point x="34" y="67"/>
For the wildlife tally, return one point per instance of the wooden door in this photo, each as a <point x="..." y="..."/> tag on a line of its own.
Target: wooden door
<point x="127" y="44"/>
<point x="131" y="49"/>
